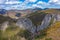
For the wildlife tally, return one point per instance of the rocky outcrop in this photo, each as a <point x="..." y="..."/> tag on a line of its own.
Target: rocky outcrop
<point x="48" y="20"/>
<point x="58" y="17"/>
<point x="45" y="22"/>
<point x="4" y="25"/>
<point x="26" y="23"/>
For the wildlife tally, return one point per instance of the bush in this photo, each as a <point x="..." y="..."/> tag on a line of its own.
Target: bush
<point x="24" y="33"/>
<point x="41" y="35"/>
<point x="48" y="39"/>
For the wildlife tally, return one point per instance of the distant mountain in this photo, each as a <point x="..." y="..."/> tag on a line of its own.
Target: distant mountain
<point x="18" y="13"/>
<point x="45" y="8"/>
<point x="26" y="11"/>
<point x="51" y="11"/>
<point x="2" y="11"/>
<point x="37" y="8"/>
<point x="15" y="14"/>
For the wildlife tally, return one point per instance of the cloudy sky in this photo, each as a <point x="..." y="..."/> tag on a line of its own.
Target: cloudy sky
<point x="25" y="4"/>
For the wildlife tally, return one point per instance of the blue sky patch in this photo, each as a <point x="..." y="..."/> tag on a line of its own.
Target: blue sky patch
<point x="25" y="4"/>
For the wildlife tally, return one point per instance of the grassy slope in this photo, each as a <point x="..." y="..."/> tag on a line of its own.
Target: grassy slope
<point x="10" y="31"/>
<point x="54" y="27"/>
<point x="51" y="11"/>
<point x="53" y="32"/>
<point x="3" y="19"/>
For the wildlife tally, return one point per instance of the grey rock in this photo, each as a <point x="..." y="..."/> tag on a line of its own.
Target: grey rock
<point x="26" y="23"/>
<point x="4" y="25"/>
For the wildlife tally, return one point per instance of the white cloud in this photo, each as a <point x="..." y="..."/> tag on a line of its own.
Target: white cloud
<point x="43" y="3"/>
<point x="23" y="5"/>
<point x="18" y="4"/>
<point x="12" y="2"/>
<point x="32" y="0"/>
<point x="2" y="1"/>
<point x="40" y="2"/>
<point x="53" y="0"/>
<point x="57" y="2"/>
<point x="36" y="5"/>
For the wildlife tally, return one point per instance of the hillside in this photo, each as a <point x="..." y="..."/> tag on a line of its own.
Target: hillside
<point x="51" y="11"/>
<point x="53" y="32"/>
<point x="3" y="19"/>
<point x="8" y="29"/>
<point x="53" y="27"/>
<point x="37" y="18"/>
<point x="42" y="24"/>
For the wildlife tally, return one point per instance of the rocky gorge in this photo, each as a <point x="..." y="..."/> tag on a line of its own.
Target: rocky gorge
<point x="27" y="23"/>
<point x="33" y="22"/>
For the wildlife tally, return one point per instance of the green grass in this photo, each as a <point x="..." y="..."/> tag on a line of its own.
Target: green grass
<point x="3" y="19"/>
<point x="48" y="39"/>
<point x="41" y="35"/>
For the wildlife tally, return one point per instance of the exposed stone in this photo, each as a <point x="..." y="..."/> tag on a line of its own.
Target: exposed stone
<point x="26" y="23"/>
<point x="4" y="25"/>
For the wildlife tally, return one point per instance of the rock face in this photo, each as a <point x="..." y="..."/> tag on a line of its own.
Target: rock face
<point x="58" y="17"/>
<point x="4" y="25"/>
<point x="45" y="22"/>
<point x="48" y="19"/>
<point x="26" y="23"/>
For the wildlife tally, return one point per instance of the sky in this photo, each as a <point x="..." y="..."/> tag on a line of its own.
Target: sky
<point x="28" y="4"/>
